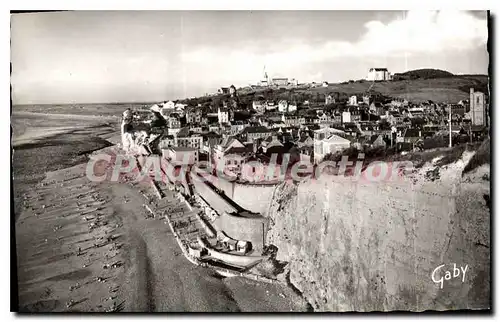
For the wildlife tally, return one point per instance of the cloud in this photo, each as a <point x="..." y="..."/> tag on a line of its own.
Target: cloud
<point x="424" y="32"/>
<point x="415" y="32"/>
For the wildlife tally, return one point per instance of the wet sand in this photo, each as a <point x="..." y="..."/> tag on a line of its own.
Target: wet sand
<point x="92" y="247"/>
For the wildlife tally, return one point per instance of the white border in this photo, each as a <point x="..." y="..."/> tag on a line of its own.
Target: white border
<point x="199" y="5"/>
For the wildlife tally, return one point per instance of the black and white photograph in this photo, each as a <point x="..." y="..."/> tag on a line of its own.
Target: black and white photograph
<point x="289" y="161"/>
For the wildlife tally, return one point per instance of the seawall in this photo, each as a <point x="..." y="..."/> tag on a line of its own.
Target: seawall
<point x="252" y="197"/>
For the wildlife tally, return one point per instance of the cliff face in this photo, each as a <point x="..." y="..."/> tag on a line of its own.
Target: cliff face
<point x="374" y="246"/>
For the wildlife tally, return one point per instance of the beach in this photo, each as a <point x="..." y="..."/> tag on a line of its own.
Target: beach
<point x="93" y="247"/>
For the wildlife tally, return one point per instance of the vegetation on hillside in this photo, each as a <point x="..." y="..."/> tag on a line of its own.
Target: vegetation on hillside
<point x="424" y="85"/>
<point x="482" y="156"/>
<point x="425" y="73"/>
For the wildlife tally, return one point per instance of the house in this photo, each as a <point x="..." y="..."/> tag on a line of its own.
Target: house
<point x="394" y="117"/>
<point x="370" y="141"/>
<point x="352" y="115"/>
<point x="194" y="141"/>
<point x="346" y="117"/>
<point x="214" y="128"/>
<point x="166" y="142"/>
<point x="368" y="128"/>
<point x="377" y="108"/>
<point x="325" y="84"/>
<point x="280" y="81"/>
<point x="168" y="105"/>
<point x="270" y="106"/>
<point x="323" y="119"/>
<point x="223" y="90"/>
<point x="210" y="141"/>
<point x="419" y="111"/>
<point x="353" y="100"/>
<point x="174" y="125"/>
<point x="457" y="109"/>
<point x="282" y="106"/>
<point x="252" y="133"/>
<point x="293" y="82"/>
<point x="293" y="120"/>
<point x="180" y="155"/>
<point x="231" y="153"/>
<point x="329" y="99"/>
<point x="409" y="136"/>
<point x="329" y="144"/>
<point x="399" y="103"/>
<point x="259" y="106"/>
<point x="193" y="116"/>
<point x="223" y="115"/>
<point x="195" y="128"/>
<point x="180" y="106"/>
<point x="237" y="127"/>
<point x="292" y="107"/>
<point x="272" y="145"/>
<point x="351" y="129"/>
<point x="304" y="140"/>
<point x="378" y="74"/>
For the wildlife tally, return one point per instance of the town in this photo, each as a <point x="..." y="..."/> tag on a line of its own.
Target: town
<point x="235" y="127"/>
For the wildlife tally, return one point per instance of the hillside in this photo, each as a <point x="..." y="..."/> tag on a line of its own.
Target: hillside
<point x="425" y="73"/>
<point x="447" y="89"/>
<point x="440" y="90"/>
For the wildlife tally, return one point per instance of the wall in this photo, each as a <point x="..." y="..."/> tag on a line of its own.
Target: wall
<point x="252" y="229"/>
<point x="254" y="198"/>
<point x="211" y="197"/>
<point x="374" y="246"/>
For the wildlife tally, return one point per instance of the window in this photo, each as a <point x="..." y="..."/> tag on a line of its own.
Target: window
<point x="477" y="100"/>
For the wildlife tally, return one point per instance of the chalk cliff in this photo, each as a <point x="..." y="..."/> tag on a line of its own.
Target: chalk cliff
<point x="355" y="246"/>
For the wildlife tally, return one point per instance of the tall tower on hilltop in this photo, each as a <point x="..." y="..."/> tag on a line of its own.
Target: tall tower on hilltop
<point x="265" y="81"/>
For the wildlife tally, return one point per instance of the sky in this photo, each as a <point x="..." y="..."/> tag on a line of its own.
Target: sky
<point x="145" y="56"/>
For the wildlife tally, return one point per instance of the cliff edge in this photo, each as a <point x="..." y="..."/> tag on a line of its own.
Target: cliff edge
<point x="380" y="246"/>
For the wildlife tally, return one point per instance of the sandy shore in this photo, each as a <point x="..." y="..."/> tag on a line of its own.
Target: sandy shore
<point x="92" y="247"/>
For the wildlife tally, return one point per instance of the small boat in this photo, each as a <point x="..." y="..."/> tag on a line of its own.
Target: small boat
<point x="231" y="259"/>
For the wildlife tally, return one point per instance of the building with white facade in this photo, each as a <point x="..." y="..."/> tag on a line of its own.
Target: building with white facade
<point x="223" y="115"/>
<point x="326" y="141"/>
<point x="283" y="106"/>
<point x="378" y="74"/>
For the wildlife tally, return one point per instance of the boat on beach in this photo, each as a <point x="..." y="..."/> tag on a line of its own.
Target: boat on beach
<point x="229" y="258"/>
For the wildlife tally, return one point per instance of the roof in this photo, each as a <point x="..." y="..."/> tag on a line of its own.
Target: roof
<point x="256" y="129"/>
<point x="238" y="150"/>
<point x="478" y="128"/>
<point x="180" y="149"/>
<point x="411" y="133"/>
<point x="377" y="69"/>
<point x="373" y="138"/>
<point x="336" y="138"/>
<point x="183" y="132"/>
